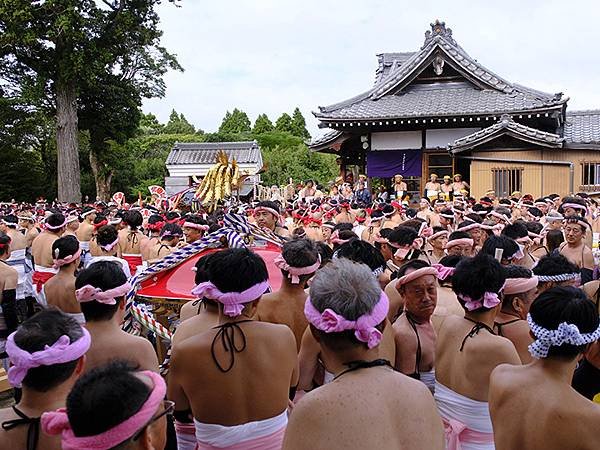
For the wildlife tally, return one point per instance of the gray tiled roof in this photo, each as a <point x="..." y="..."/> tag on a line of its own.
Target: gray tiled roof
<point x="506" y="126"/>
<point x="389" y="62"/>
<point x="206" y="152"/>
<point x="425" y="100"/>
<point x="325" y="138"/>
<point x="583" y="127"/>
<point x="374" y="103"/>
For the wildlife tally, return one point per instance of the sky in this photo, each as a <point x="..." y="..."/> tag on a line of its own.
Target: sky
<point x="270" y="56"/>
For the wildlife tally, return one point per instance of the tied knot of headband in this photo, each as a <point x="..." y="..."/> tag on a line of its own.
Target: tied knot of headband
<point x="62" y="351"/>
<point x="364" y="326"/>
<point x="57" y="422"/>
<point x="566" y="333"/>
<point x="294" y="273"/>
<point x="109" y="247"/>
<point x="233" y="302"/>
<point x="59" y="262"/>
<point x="335" y="238"/>
<point x="514" y="286"/>
<point x="488" y="300"/>
<point x="443" y="272"/>
<point x="90" y="293"/>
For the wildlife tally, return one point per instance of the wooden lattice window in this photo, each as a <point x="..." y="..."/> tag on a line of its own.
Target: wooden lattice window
<point x="590" y="176"/>
<point x="507" y="180"/>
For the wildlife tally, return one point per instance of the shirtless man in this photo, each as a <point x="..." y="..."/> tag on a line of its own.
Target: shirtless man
<point x="447" y="188"/>
<point x="194" y="228"/>
<point x="467" y="350"/>
<point x="413" y="330"/>
<point x="204" y="370"/>
<point x="86" y="231"/>
<point x="100" y="290"/>
<point x="45" y="386"/>
<point x="437" y="243"/>
<point x="365" y="386"/>
<point x="131" y="239"/>
<point x="520" y="291"/>
<point x="170" y="236"/>
<point x="371" y="231"/>
<point x="432" y="187"/>
<point x="313" y="227"/>
<point x="447" y="303"/>
<point x="72" y="225"/>
<point x="551" y="414"/>
<point x="399" y="187"/>
<point x="41" y="249"/>
<point x="425" y="211"/>
<point x="107" y="240"/>
<point x="18" y="257"/>
<point x="153" y="227"/>
<point x="298" y="262"/>
<point x="458" y="185"/>
<point x="59" y="291"/>
<point x="575" y="248"/>
<point x="267" y="216"/>
<point x="345" y="215"/>
<point x="8" y="289"/>
<point x="27" y="226"/>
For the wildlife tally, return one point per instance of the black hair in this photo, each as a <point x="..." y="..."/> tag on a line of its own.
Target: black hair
<point x="554" y="264"/>
<point x="361" y="252"/>
<point x="411" y="212"/>
<point x="403" y="235"/>
<point x="508" y="245"/>
<point x="535" y="212"/>
<point x="451" y="260"/>
<point x="565" y="304"/>
<point x="325" y="252"/>
<point x="343" y="227"/>
<point x="134" y="219"/>
<point x="474" y="217"/>
<point x="104" y="275"/>
<point x="458" y="235"/>
<point x="4" y="243"/>
<point x="11" y="220"/>
<point x="268" y="204"/>
<point x="41" y="330"/>
<point x="553" y="239"/>
<point x="198" y="220"/>
<point x="474" y="277"/>
<point x="345" y="235"/>
<point x="172" y="215"/>
<point x="534" y="227"/>
<point x="110" y="394"/>
<point x="300" y="253"/>
<point x="55" y="220"/>
<point x="515" y="230"/>
<point x="514" y="271"/>
<point x="414" y="264"/>
<point x="155" y="218"/>
<point x="236" y="269"/>
<point x="576" y="219"/>
<point x="448" y="212"/>
<point x="64" y="246"/>
<point x="415" y="223"/>
<point x="106" y="235"/>
<point x="87" y="209"/>
<point x="170" y="231"/>
<point x="576" y="200"/>
<point x="384" y="233"/>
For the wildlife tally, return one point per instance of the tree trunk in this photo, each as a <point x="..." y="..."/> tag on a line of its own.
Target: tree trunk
<point x="102" y="178"/>
<point x="69" y="177"/>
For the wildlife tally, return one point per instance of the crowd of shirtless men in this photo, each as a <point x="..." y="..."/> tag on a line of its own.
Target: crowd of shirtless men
<point x="453" y="322"/>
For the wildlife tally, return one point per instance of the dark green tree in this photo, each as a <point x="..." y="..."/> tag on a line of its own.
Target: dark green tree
<point x="235" y="122"/>
<point x="61" y="46"/>
<point x="149" y="124"/>
<point x="299" y="125"/>
<point x="284" y="123"/>
<point x="262" y="125"/>
<point x="178" y="124"/>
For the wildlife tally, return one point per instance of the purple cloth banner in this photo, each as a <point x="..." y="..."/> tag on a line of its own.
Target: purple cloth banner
<point x="387" y="163"/>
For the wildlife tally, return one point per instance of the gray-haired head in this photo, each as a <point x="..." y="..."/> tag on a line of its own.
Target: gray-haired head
<point x="346" y="287"/>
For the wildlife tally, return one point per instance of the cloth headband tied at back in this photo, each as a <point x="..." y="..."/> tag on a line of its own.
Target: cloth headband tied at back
<point x="294" y="273"/>
<point x="233" y="302"/>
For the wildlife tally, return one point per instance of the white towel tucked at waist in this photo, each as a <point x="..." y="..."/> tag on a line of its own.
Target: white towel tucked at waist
<point x="84" y="245"/>
<point x="428" y="379"/>
<point x="45" y="269"/>
<point x="225" y="436"/>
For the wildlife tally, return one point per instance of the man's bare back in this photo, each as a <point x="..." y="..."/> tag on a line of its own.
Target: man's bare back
<point x="41" y="248"/>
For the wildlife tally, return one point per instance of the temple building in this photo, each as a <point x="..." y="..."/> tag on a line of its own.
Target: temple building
<point x="438" y="110"/>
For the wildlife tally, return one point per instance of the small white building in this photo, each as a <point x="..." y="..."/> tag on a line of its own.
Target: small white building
<point x="196" y="158"/>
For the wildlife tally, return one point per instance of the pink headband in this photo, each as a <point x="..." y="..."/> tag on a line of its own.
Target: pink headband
<point x="67" y="260"/>
<point x="364" y="327"/>
<point x="62" y="351"/>
<point x="461" y="241"/>
<point x="574" y="206"/>
<point x="196" y="226"/>
<point x="57" y="227"/>
<point x="90" y="293"/>
<point x="438" y="234"/>
<point x="443" y="272"/>
<point x="72" y="219"/>
<point x="335" y="238"/>
<point x="57" y="422"/>
<point x="489" y="301"/>
<point x="295" y="272"/>
<point x="416" y="274"/>
<point x="470" y="227"/>
<point x="110" y="246"/>
<point x="232" y="301"/>
<point x="520" y="285"/>
<point x="581" y="223"/>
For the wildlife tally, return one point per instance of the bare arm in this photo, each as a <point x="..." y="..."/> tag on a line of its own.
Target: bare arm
<point x="175" y="391"/>
<point x="308" y="360"/>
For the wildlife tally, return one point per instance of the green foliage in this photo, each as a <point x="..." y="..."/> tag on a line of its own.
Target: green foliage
<point x="235" y="122"/>
<point x="23" y="177"/>
<point x="285" y="123"/>
<point x="299" y="125"/>
<point x="262" y="125"/>
<point x="178" y="124"/>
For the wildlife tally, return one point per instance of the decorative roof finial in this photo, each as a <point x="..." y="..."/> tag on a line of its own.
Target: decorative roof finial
<point x="438" y="28"/>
